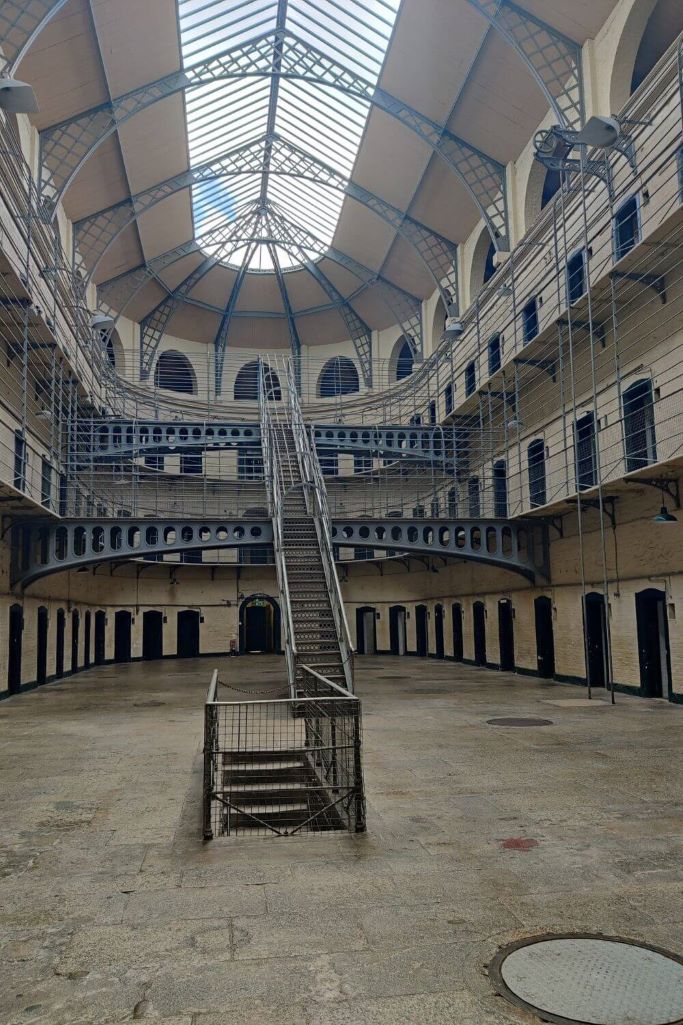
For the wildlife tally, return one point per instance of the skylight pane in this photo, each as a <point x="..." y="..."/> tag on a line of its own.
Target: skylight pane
<point x="230" y="114"/>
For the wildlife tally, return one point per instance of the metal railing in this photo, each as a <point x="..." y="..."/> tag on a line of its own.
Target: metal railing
<point x="283" y="767"/>
<point x="316" y="496"/>
<point x="276" y="491"/>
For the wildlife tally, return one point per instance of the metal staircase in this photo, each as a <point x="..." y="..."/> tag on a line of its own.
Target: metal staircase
<point x="315" y="627"/>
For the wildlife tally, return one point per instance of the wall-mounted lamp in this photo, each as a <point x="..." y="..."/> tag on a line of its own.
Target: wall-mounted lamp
<point x="664" y="516"/>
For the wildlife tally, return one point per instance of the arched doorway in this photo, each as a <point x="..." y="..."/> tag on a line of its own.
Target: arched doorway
<point x="188" y="633"/>
<point x="75" y="638"/>
<point x="86" y="639"/>
<point x="595" y="635"/>
<point x="41" y="645"/>
<point x="479" y="629"/>
<point x="16" y="630"/>
<point x="654" y="651"/>
<point x="456" y="625"/>
<point x="100" y="637"/>
<point x="152" y="634"/>
<point x="397" y="629"/>
<point x="259" y="625"/>
<point x="545" y="641"/>
<point x="438" y="631"/>
<point x="122" y="639"/>
<point x="421" y="630"/>
<point x="366" y="631"/>
<point x="59" y="643"/>
<point x="506" y="634"/>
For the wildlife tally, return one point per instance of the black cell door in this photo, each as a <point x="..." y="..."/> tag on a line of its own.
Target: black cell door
<point x="16" y="630"/>
<point x="188" y="633"/>
<point x="545" y="641"/>
<point x="479" y="629"/>
<point x="152" y="634"/>
<point x="100" y="637"/>
<point x="86" y="640"/>
<point x="654" y="652"/>
<point x="59" y="644"/>
<point x="421" y="635"/>
<point x="258" y="628"/>
<point x="506" y="634"/>
<point x="75" y="638"/>
<point x="456" y="624"/>
<point x="366" y="634"/>
<point x="41" y="645"/>
<point x="397" y="629"/>
<point x="596" y="639"/>
<point x="122" y="636"/>
<point x="438" y="631"/>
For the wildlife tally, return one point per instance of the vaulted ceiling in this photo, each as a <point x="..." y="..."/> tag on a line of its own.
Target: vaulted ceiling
<point x="334" y="230"/>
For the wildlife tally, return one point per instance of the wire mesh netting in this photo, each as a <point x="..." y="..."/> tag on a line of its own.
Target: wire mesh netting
<point x="283" y="767"/>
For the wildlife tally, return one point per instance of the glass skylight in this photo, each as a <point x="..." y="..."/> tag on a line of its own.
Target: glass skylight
<point x="325" y="122"/>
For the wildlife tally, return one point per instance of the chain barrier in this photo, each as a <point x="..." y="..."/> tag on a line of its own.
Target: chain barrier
<point x="250" y="690"/>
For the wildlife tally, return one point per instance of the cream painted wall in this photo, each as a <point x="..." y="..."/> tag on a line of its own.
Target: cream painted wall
<point x="640" y="555"/>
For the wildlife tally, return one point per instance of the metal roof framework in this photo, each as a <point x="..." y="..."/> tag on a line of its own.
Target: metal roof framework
<point x="306" y="73"/>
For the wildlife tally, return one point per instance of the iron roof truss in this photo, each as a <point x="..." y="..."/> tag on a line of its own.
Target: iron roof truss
<point x="65" y="147"/>
<point x="93" y="235"/>
<point x="553" y="59"/>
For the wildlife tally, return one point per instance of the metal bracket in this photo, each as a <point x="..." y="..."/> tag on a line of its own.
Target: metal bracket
<point x="654" y="281"/>
<point x="557" y="523"/>
<point x="15" y="349"/>
<point x="509" y="397"/>
<point x="591" y="326"/>
<point x="549" y="365"/>
<point x="607" y="506"/>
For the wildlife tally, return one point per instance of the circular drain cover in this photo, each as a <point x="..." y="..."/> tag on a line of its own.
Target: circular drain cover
<point x="514" y="721"/>
<point x="591" y="980"/>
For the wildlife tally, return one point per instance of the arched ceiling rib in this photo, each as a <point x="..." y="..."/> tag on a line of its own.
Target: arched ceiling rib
<point x="423" y="137"/>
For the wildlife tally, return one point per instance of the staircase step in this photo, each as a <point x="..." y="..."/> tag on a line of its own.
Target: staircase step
<point x="266" y="757"/>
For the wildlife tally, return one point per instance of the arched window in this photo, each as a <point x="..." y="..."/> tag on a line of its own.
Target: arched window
<point x="535" y="455"/>
<point x="473" y="497"/>
<point x="403" y="359"/>
<point x="552" y="184"/>
<point x="489" y="266"/>
<point x="438" y="322"/>
<point x="639" y="426"/>
<point x="500" y="489"/>
<point x="338" y="377"/>
<point x="664" y="24"/>
<point x="247" y="382"/>
<point x="174" y="373"/>
<point x="586" y="456"/>
<point x="482" y="268"/>
<point x="109" y="350"/>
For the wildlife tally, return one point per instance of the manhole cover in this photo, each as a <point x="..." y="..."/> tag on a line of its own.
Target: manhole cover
<point x="591" y="980"/>
<point x="516" y="721"/>
<point x="148" y="704"/>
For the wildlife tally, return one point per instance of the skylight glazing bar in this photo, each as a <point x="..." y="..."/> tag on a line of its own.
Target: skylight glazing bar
<point x="330" y="124"/>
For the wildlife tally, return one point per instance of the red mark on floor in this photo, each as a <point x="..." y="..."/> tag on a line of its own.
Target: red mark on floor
<point x="519" y="843"/>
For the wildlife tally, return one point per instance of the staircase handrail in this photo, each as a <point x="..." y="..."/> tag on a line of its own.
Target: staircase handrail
<point x="312" y="476"/>
<point x="275" y="490"/>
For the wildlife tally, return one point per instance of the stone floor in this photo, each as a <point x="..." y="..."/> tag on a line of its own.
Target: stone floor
<point x="112" y="910"/>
